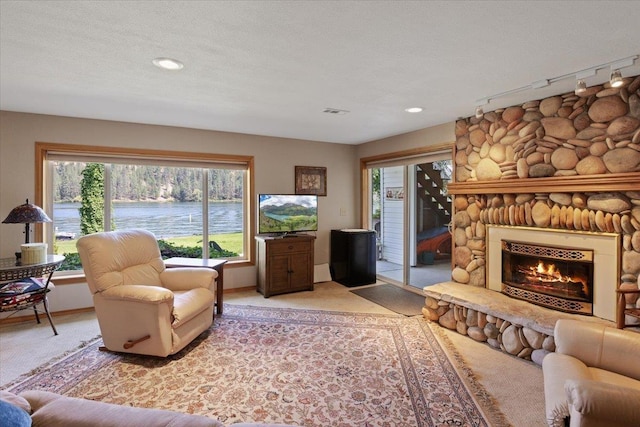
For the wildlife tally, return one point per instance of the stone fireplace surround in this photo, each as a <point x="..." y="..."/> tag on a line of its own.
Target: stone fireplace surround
<point x="565" y="163"/>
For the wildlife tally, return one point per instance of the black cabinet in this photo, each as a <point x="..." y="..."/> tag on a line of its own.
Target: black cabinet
<point x="353" y="257"/>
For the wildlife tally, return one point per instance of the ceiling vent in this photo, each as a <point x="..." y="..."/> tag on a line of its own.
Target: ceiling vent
<point x="334" y="111"/>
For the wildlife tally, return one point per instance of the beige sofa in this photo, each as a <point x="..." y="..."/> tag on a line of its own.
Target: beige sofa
<point x="54" y="410"/>
<point x="593" y="378"/>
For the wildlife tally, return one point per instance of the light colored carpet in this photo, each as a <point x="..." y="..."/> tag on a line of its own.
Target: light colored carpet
<point x="330" y="296"/>
<point x="516" y="384"/>
<point x="25" y="346"/>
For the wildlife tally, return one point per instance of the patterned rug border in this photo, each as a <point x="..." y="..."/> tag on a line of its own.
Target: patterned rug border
<point x="484" y="399"/>
<point x="484" y="402"/>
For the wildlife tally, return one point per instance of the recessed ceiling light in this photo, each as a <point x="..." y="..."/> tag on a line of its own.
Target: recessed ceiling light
<point x="413" y="110"/>
<point x="168" y="64"/>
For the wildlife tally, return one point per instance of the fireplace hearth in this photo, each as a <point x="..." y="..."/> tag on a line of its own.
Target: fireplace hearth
<point x="553" y="277"/>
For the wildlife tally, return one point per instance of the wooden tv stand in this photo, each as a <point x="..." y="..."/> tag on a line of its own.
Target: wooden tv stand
<point x="285" y="264"/>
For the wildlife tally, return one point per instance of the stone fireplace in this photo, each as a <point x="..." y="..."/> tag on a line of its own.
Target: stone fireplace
<point x="561" y="173"/>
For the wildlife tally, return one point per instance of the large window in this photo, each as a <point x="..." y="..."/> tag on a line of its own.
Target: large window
<point x="197" y="205"/>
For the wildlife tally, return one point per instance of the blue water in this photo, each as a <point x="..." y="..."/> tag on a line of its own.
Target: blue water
<point x="164" y="219"/>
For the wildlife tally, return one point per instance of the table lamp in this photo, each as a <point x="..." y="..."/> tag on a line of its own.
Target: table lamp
<point x="26" y="214"/>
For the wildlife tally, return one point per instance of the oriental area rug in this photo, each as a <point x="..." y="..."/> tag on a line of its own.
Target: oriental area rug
<point x="301" y="367"/>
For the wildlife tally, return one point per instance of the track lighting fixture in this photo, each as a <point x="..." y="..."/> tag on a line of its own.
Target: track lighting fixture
<point x="581" y="76"/>
<point x="616" y="78"/>
<point x="479" y="104"/>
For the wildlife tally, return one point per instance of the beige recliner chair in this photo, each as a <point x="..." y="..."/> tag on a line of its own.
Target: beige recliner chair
<point x="142" y="307"/>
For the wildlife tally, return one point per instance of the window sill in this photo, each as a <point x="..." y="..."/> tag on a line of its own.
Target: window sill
<point x="74" y="277"/>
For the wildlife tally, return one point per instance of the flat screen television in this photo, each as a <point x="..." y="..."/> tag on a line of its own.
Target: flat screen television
<point x="287" y="213"/>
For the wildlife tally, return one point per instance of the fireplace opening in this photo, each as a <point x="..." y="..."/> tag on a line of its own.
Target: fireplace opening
<point x="554" y="277"/>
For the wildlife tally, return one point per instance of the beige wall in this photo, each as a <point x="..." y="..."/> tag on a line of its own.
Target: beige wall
<point x="436" y="135"/>
<point x="274" y="158"/>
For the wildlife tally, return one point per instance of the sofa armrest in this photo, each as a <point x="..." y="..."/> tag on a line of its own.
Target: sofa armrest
<point x="556" y="369"/>
<point x="595" y="403"/>
<point x="186" y="278"/>
<point x="139" y="293"/>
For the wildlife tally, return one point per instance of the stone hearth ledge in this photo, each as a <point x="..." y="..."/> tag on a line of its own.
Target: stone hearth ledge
<point x="516" y="327"/>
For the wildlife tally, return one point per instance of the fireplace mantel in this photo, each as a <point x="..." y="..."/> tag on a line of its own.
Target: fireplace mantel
<point x="562" y="184"/>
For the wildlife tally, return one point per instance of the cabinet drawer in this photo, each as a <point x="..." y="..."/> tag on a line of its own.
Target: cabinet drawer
<point x="288" y="245"/>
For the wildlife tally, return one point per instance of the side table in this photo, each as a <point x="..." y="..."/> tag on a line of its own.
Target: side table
<point x="10" y="272"/>
<point x="216" y="264"/>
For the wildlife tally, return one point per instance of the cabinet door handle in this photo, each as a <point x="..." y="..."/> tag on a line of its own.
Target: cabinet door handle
<point x="290" y="247"/>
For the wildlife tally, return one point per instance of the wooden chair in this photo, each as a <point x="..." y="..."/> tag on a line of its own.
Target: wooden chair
<point x="26" y="286"/>
<point x="624" y="311"/>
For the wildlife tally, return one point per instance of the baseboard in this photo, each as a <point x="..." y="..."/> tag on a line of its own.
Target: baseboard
<point x="30" y="316"/>
<point x="321" y="273"/>
<point x="234" y="290"/>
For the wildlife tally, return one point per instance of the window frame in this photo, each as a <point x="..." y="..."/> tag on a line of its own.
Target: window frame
<point x="43" y="196"/>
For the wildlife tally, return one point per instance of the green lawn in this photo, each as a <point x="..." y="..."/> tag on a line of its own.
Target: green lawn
<point x="231" y="242"/>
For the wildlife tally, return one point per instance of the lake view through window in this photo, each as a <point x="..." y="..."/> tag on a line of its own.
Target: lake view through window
<point x="193" y="210"/>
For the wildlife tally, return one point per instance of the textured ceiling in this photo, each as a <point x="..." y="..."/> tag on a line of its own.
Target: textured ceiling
<point x="271" y="67"/>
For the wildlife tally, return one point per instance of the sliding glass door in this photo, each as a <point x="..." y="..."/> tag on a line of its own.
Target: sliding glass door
<point x="432" y="241"/>
<point x="410" y="211"/>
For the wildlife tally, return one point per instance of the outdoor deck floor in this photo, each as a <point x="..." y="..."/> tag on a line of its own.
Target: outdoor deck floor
<point x="419" y="276"/>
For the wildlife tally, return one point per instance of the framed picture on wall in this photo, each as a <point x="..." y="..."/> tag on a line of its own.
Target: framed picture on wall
<point x="394" y="193"/>
<point x="311" y="180"/>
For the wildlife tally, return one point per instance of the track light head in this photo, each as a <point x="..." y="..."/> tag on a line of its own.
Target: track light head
<point x="581" y="87"/>
<point x="479" y="112"/>
<point x="616" y="79"/>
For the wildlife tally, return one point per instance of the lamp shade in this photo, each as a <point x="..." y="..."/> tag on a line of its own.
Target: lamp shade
<point x="25" y="214"/>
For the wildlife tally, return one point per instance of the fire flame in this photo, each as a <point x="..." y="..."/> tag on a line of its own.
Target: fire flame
<point x="550" y="271"/>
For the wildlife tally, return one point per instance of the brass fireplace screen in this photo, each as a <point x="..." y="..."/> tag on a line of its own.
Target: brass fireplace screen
<point x="553" y="277"/>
